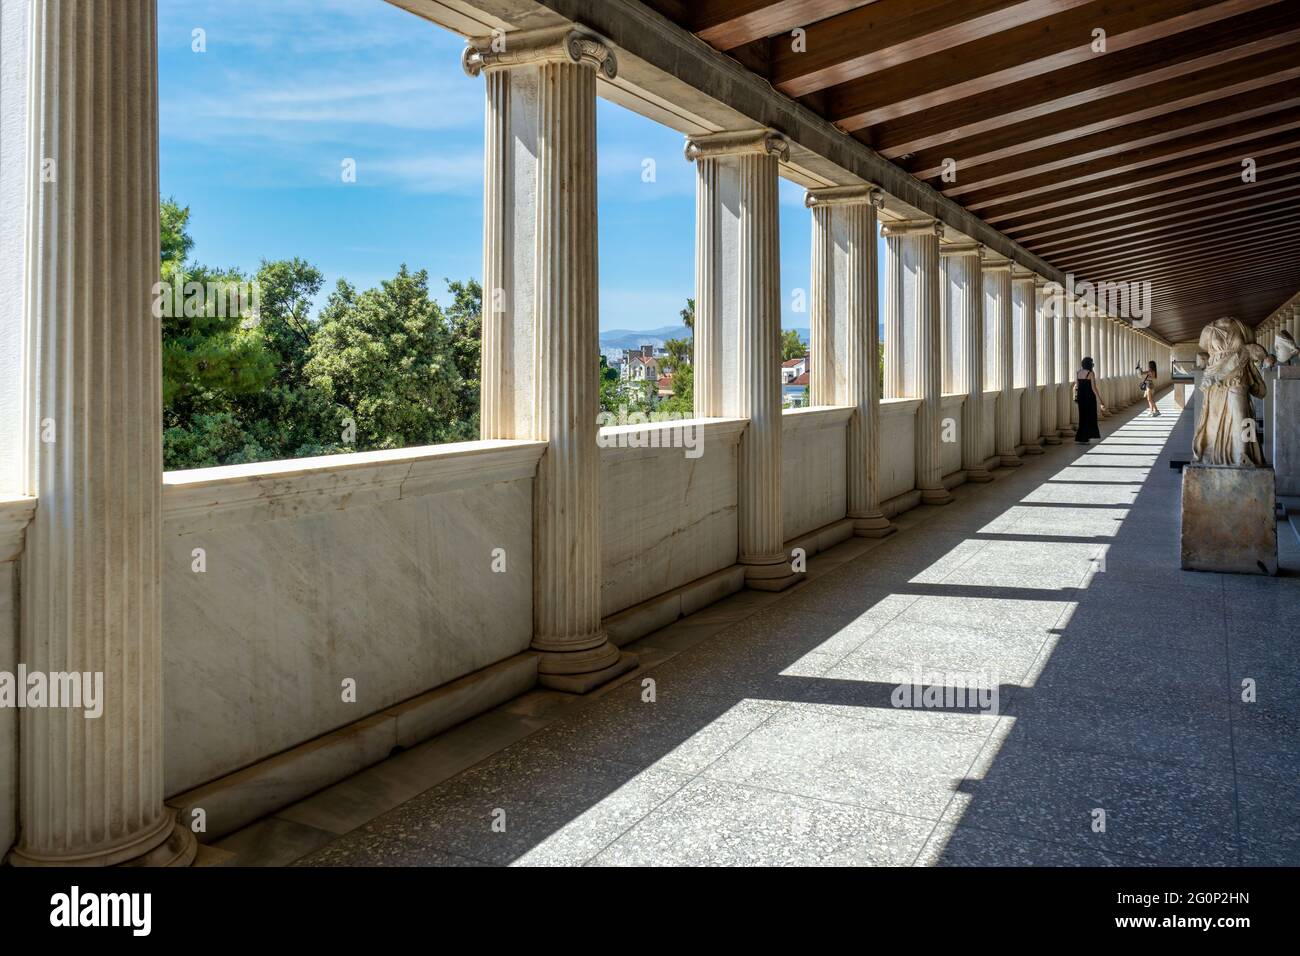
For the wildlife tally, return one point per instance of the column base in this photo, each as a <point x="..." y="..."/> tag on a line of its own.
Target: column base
<point x="1067" y="432"/>
<point x="1009" y="461"/>
<point x="168" y="844"/>
<point x="978" y="474"/>
<point x="1051" y="440"/>
<point x="582" y="669"/>
<point x="587" y="682"/>
<point x="769" y="574"/>
<point x="873" y="526"/>
<point x="936" y="496"/>
<point x="1033" y="448"/>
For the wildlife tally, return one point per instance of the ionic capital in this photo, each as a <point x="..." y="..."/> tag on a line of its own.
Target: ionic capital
<point x="912" y="227"/>
<point x="733" y="143"/>
<point x="844" y="196"/>
<point x="531" y="47"/>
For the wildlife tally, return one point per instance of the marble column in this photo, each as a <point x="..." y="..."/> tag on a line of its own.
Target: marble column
<point x="964" y="300"/>
<point x="1047" y="359"/>
<point x="844" y="337"/>
<point x="997" y="312"/>
<point x="541" y="324"/>
<point x="1095" y="321"/>
<point x="1078" y="346"/>
<point x="738" y="328"/>
<point x="1024" y="301"/>
<point x="912" y="272"/>
<point x="1061" y="319"/>
<point x="91" y="790"/>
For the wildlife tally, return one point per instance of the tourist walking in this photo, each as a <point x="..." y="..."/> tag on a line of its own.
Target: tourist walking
<point x="1085" y="394"/>
<point x="1149" y="389"/>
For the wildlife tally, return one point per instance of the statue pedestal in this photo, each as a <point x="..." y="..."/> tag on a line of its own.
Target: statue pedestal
<point x="1229" y="519"/>
<point x="1283" y="432"/>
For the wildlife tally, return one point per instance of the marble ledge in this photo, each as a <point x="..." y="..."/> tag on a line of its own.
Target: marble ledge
<point x="899" y="407"/>
<point x="652" y="438"/>
<point x="205" y="498"/>
<point x="815" y="417"/>
<point x="15" y="514"/>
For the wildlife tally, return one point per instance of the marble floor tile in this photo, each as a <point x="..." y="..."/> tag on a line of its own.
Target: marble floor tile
<point x="714" y="823"/>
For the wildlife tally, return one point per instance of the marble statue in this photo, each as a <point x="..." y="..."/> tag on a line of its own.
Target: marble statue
<point x="1225" y="429"/>
<point x="1284" y="347"/>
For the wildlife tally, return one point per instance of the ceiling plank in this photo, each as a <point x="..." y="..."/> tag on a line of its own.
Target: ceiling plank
<point x="727" y="24"/>
<point x="1023" y="52"/>
<point x="1152" y="178"/>
<point x="1149" y="196"/>
<point x="893" y="32"/>
<point x="1241" y="196"/>
<point x="1231" y="140"/>
<point x="1209" y="47"/>
<point x="1125" y="148"/>
<point x="1217" y="86"/>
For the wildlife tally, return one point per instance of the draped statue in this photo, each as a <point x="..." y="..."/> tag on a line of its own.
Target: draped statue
<point x="1225" y="429"/>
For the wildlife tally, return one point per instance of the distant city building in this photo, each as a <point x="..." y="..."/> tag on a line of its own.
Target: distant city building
<point x="641" y="365"/>
<point x="794" y="382"/>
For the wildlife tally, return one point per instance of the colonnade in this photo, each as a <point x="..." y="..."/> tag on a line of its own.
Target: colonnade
<point x="92" y="791"/>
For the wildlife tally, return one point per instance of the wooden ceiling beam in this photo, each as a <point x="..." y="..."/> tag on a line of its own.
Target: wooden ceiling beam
<point x="1115" y="151"/>
<point x="727" y="24"/>
<point x="1180" y="226"/>
<point x="889" y="33"/>
<point x="1153" y="178"/>
<point x="1206" y="48"/>
<point x="1021" y="53"/>
<point x="1161" y="255"/>
<point x="1165" y="106"/>
<point x="1239" y="198"/>
<point x="1232" y="140"/>
<point x="1207" y="182"/>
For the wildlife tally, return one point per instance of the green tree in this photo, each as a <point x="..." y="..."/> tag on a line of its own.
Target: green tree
<point x="792" y="346"/>
<point x="382" y="358"/>
<point x="465" y="318"/>
<point x="679" y="354"/>
<point x="688" y="315"/>
<point x="210" y="352"/>
<point x="682" y="401"/>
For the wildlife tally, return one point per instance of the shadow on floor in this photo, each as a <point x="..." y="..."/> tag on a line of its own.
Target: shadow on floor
<point x="1106" y="726"/>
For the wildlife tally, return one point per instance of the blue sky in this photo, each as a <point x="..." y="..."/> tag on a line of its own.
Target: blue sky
<point x="255" y="131"/>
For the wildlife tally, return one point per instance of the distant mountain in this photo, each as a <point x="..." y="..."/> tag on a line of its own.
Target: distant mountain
<point x="615" y="339"/>
<point x="633" y="338"/>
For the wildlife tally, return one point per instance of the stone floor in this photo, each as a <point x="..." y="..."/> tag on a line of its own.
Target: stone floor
<point x="771" y="737"/>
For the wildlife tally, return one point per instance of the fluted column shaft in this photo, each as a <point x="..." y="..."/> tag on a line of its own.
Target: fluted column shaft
<point x="1094" y="350"/>
<point x="541" y="324"/>
<point x="963" y="285"/>
<point x="997" y="312"/>
<point x="912" y="271"/>
<point x="1048" y="362"/>
<point x="738" y="328"/>
<point x="92" y="789"/>
<point x="1060" y="318"/>
<point x="844" y="337"/>
<point x="1024" y="301"/>
<point x="1078" y="345"/>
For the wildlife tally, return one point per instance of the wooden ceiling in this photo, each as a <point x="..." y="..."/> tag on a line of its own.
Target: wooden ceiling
<point x="1123" y="165"/>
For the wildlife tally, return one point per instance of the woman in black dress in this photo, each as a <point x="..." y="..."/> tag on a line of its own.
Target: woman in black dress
<point x="1088" y="401"/>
